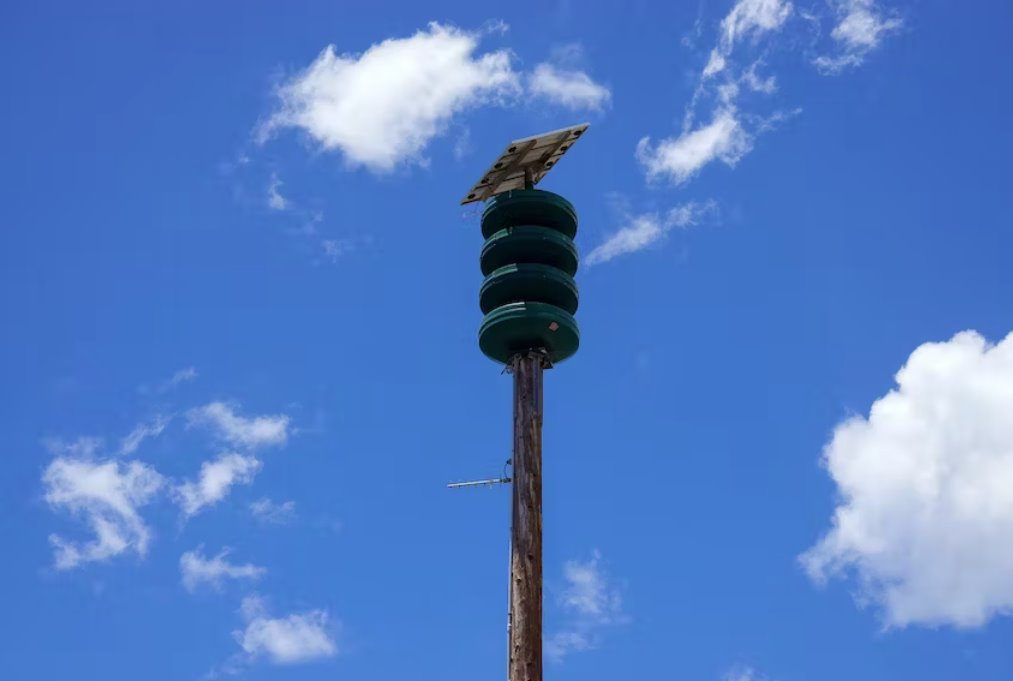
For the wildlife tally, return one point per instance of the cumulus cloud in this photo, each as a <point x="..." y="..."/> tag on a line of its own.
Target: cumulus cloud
<point x="297" y="638"/>
<point x="196" y="570"/>
<point x="590" y="604"/>
<point x="381" y="108"/>
<point x="680" y="158"/>
<point x="924" y="520"/>
<point x="571" y="88"/>
<point x="643" y="230"/>
<point x="107" y="496"/>
<point x="238" y="430"/>
<point x="271" y="512"/>
<point x="860" y="29"/>
<point x="216" y="479"/>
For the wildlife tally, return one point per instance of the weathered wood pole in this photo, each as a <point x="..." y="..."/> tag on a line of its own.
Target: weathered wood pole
<point x="525" y="663"/>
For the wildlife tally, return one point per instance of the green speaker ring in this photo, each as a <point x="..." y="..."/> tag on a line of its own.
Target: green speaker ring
<point x="529" y="244"/>
<point x="529" y="207"/>
<point x="531" y="283"/>
<point x="519" y="327"/>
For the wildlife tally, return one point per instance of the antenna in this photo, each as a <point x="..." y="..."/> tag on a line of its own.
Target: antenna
<point x="528" y="298"/>
<point x="484" y="483"/>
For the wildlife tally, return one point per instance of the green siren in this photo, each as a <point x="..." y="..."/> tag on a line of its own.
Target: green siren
<point x="529" y="259"/>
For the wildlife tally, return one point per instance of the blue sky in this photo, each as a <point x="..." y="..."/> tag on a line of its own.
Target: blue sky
<point x="240" y="362"/>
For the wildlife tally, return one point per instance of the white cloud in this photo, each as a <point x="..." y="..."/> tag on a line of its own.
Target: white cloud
<point x="726" y="137"/>
<point x="680" y="158"/>
<point x="183" y="376"/>
<point x="267" y="511"/>
<point x="587" y="591"/>
<point x="83" y="447"/>
<point x="239" y="430"/>
<point x="744" y="674"/>
<point x="755" y="83"/>
<point x="216" y="479"/>
<point x="643" y="230"/>
<point x="715" y="64"/>
<point x="196" y="569"/>
<point x="274" y="198"/>
<point x="590" y="603"/>
<point x="382" y="108"/>
<point x="142" y="432"/>
<point x="748" y="18"/>
<point x="925" y="512"/>
<point x="107" y="495"/>
<point x="335" y="248"/>
<point x="566" y="642"/>
<point x="860" y="30"/>
<point x="299" y="637"/>
<point x="732" y="130"/>
<point x="571" y="88"/>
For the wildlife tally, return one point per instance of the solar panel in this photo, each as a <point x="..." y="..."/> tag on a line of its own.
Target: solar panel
<point x="524" y="160"/>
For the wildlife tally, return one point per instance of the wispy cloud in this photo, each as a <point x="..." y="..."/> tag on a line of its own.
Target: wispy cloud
<point x="924" y="516"/>
<point x="644" y="230"/>
<point x="141" y="432"/>
<point x="861" y="27"/>
<point x="293" y="639"/>
<point x="729" y="127"/>
<point x="82" y="447"/>
<point x="571" y="88"/>
<point x="271" y="512"/>
<point x="590" y="605"/>
<point x="196" y="570"/>
<point x="335" y="248"/>
<point x="216" y="479"/>
<point x="747" y="19"/>
<point x="184" y="375"/>
<point x="744" y="674"/>
<point x="239" y="430"/>
<point x="107" y="495"/>
<point x="275" y="200"/>
<point x="728" y="135"/>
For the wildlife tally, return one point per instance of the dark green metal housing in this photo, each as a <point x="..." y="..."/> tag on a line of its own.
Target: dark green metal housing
<point x="529" y="244"/>
<point x="529" y="259"/>
<point x="518" y="327"/>
<point x="529" y="207"/>
<point x="533" y="283"/>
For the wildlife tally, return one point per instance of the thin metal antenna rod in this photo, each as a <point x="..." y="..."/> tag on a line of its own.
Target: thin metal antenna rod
<point x="525" y="637"/>
<point x="478" y="483"/>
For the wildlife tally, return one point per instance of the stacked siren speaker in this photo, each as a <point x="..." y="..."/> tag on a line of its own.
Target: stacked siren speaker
<point x="529" y="296"/>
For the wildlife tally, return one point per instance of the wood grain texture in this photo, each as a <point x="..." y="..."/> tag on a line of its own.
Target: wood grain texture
<point x="525" y="662"/>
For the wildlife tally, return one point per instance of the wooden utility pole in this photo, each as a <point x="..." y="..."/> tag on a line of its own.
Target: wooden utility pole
<point x="525" y="634"/>
<point x="528" y="297"/>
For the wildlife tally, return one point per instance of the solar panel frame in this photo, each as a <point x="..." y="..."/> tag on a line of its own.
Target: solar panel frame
<point x="525" y="159"/>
